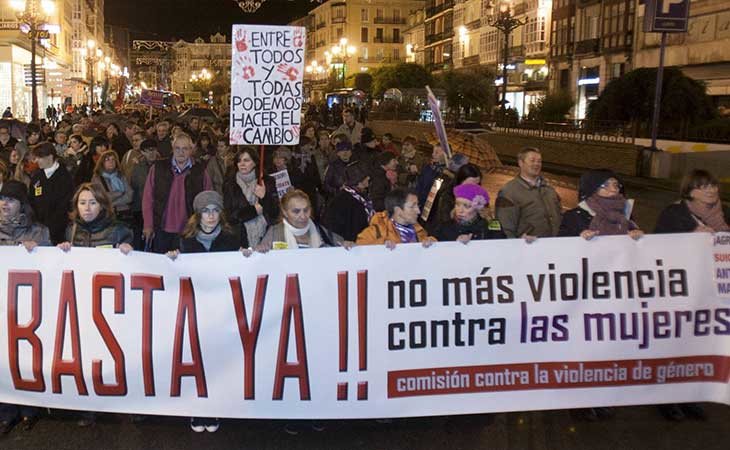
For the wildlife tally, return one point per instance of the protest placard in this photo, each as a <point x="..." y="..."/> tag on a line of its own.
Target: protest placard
<point x="283" y="182"/>
<point x="266" y="84"/>
<point x="152" y="98"/>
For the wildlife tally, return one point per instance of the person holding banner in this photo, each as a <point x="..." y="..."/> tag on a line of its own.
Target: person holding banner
<point x="250" y="203"/>
<point x="603" y="210"/>
<point x="297" y="230"/>
<point x="700" y="208"/>
<point x="17" y="227"/>
<point x="94" y="225"/>
<point x="466" y="222"/>
<point x="527" y="206"/>
<point x="397" y="224"/>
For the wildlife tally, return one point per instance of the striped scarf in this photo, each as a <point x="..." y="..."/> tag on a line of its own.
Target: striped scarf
<point x="407" y="232"/>
<point x="366" y="203"/>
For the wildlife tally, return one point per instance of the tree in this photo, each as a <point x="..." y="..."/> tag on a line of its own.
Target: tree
<point x="363" y="82"/>
<point x="401" y="76"/>
<point x="631" y="99"/>
<point x="468" y="91"/>
<point x="554" y="107"/>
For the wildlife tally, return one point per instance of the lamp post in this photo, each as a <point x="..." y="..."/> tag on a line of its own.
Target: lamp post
<point x="34" y="14"/>
<point x="343" y="52"/>
<point x="92" y="55"/>
<point x="505" y="22"/>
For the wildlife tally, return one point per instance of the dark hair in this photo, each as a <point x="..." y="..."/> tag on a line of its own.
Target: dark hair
<point x="44" y="149"/>
<point x="98" y="142"/>
<point x="348" y="110"/>
<point x="116" y="128"/>
<point x="32" y="128"/>
<point x="525" y="150"/>
<point x="388" y="135"/>
<point x="193" y="223"/>
<point x="77" y="137"/>
<point x="385" y="157"/>
<point x="99" y="194"/>
<point x="4" y="172"/>
<point x="410" y="140"/>
<point x="397" y="198"/>
<point x="240" y="150"/>
<point x="468" y="170"/>
<point x="696" y="179"/>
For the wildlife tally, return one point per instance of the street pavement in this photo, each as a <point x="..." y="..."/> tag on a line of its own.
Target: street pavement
<point x="637" y="428"/>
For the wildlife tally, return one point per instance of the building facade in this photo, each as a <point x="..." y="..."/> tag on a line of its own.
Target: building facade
<point x="191" y="58"/>
<point x="702" y="53"/>
<point x="353" y="36"/>
<point x="63" y="77"/>
<point x="439" y="34"/>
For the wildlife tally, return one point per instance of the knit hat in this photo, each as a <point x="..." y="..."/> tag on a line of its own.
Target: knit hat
<point x="206" y="198"/>
<point x="456" y="161"/>
<point x="343" y="146"/>
<point x="367" y="135"/>
<point x="355" y="173"/>
<point x="282" y="152"/>
<point x="148" y="144"/>
<point x="15" y="189"/>
<point x="592" y="180"/>
<point x="474" y="193"/>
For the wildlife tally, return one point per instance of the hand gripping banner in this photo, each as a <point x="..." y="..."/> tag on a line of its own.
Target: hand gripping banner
<point x="452" y="329"/>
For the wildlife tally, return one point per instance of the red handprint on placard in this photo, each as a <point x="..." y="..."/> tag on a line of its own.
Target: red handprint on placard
<point x="298" y="38"/>
<point x="248" y="72"/>
<point x="289" y="72"/>
<point x="295" y="130"/>
<point x="241" y="44"/>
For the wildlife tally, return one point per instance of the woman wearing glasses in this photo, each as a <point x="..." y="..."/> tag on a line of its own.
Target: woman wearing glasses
<point x="699" y="210"/>
<point x="603" y="209"/>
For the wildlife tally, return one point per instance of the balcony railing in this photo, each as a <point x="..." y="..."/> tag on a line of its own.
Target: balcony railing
<point x="473" y="25"/>
<point x="339" y="19"/>
<point x="431" y="38"/>
<point x="380" y="60"/>
<point x="321" y="25"/>
<point x="472" y="60"/>
<point x="390" y="20"/>
<point x="432" y="11"/>
<point x="387" y="40"/>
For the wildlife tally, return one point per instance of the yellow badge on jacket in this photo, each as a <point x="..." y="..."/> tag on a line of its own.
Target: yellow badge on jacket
<point x="38" y="191"/>
<point x="280" y="245"/>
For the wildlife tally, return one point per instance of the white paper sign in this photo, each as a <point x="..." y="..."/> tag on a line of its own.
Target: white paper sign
<point x="266" y="84"/>
<point x="283" y="182"/>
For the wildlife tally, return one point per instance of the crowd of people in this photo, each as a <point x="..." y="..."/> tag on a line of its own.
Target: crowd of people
<point x="178" y="187"/>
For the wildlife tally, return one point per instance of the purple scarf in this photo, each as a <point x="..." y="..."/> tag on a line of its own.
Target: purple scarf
<point x="610" y="218"/>
<point x="407" y="232"/>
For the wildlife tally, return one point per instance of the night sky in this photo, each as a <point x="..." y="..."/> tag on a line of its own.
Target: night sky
<point x="188" y="19"/>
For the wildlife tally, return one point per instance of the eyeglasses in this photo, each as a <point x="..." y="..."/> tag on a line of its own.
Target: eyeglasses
<point x="612" y="185"/>
<point x="708" y="187"/>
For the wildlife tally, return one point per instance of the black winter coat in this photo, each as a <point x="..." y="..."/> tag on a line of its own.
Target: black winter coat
<point x="677" y="218"/>
<point x="480" y="229"/>
<point x="379" y="188"/>
<point x="346" y="216"/>
<point x="575" y="222"/>
<point x="239" y="210"/>
<point x="102" y="232"/>
<point x="225" y="242"/>
<point x="50" y="199"/>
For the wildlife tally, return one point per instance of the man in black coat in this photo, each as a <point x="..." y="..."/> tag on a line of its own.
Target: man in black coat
<point x="380" y="185"/>
<point x="50" y="192"/>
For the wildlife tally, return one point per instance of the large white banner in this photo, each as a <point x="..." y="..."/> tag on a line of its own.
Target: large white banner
<point x="267" y="76"/>
<point x="452" y="329"/>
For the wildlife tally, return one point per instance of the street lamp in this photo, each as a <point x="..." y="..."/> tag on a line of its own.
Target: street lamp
<point x="343" y="52"/>
<point x="92" y="55"/>
<point x="505" y="22"/>
<point x="34" y="14"/>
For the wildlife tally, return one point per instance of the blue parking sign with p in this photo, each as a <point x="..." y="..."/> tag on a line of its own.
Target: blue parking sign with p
<point x="666" y="16"/>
